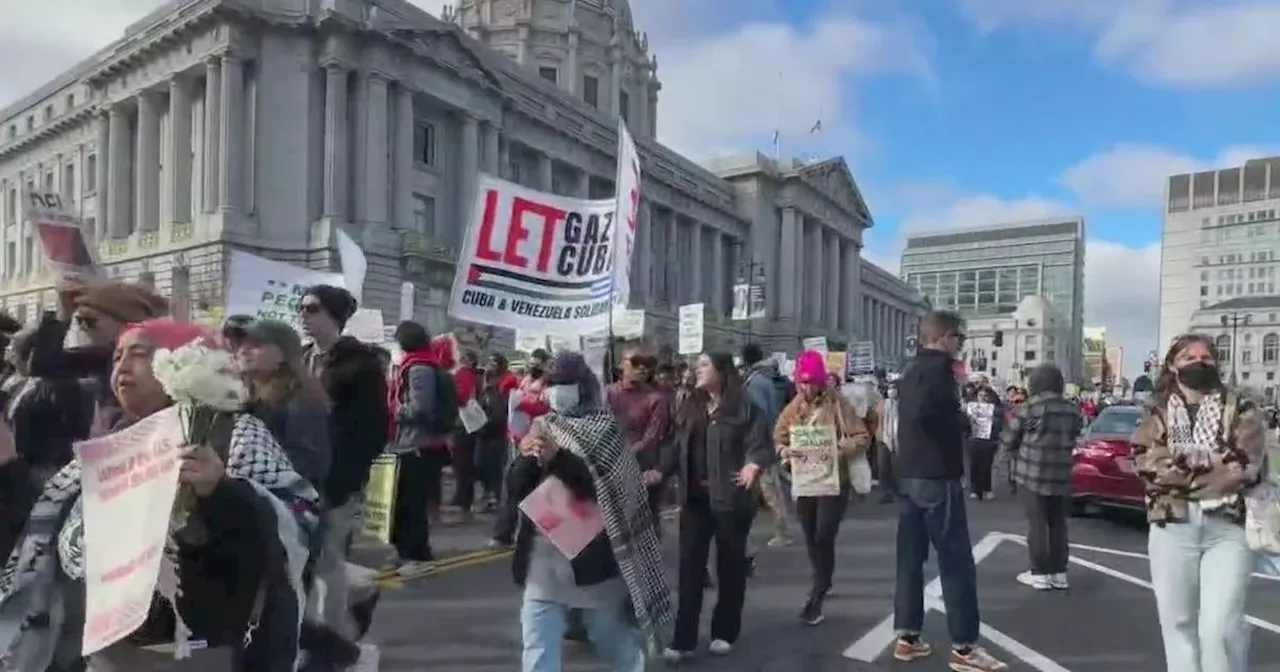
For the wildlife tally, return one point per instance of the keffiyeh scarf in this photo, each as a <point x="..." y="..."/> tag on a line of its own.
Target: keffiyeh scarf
<point x="624" y="506"/>
<point x="1197" y="442"/>
<point x="31" y="610"/>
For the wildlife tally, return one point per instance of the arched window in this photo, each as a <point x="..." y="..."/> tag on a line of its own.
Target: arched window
<point x="1223" y="344"/>
<point x="1270" y="348"/>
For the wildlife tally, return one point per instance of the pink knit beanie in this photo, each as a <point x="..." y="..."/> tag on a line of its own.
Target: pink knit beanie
<point x="811" y="368"/>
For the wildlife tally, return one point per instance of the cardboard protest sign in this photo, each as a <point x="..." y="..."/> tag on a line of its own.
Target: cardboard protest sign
<point x="65" y="242"/>
<point x="270" y="289"/>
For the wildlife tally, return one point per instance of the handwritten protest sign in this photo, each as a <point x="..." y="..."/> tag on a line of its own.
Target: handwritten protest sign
<point x="815" y="461"/>
<point x="62" y="236"/>
<point x="569" y="523"/>
<point x="130" y="480"/>
<point x="380" y="498"/>
<point x="270" y="289"/>
<point x="981" y="417"/>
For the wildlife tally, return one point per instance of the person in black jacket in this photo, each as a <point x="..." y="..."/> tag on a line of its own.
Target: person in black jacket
<point x="929" y="466"/>
<point x="351" y="374"/>
<point x="47" y="414"/>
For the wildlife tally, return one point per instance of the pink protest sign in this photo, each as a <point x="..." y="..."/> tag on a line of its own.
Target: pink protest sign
<point x="569" y="523"/>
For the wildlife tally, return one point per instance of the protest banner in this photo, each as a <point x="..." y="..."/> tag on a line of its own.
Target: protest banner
<point x="270" y="289"/>
<point x="815" y="461"/>
<point x="380" y="498"/>
<point x="691" y="328"/>
<point x="570" y="524"/>
<point x="130" y="476"/>
<point x="538" y="262"/>
<point x="627" y="198"/>
<point x="62" y="236"/>
<point x="981" y="418"/>
<point x="860" y="359"/>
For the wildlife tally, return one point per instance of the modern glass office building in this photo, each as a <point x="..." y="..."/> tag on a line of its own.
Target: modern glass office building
<point x="986" y="272"/>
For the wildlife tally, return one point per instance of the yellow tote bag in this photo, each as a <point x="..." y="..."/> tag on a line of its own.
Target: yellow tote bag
<point x="380" y="497"/>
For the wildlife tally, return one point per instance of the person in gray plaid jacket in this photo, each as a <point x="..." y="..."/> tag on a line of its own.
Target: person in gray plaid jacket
<point x="1041" y="437"/>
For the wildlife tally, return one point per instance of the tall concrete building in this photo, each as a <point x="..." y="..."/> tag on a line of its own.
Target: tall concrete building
<point x="267" y="125"/>
<point x="986" y="272"/>
<point x="1221" y="242"/>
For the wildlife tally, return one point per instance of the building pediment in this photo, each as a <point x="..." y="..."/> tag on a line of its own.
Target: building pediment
<point x="446" y="44"/>
<point x="833" y="178"/>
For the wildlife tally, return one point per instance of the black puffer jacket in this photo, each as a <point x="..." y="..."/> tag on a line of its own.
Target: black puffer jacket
<point x="357" y="387"/>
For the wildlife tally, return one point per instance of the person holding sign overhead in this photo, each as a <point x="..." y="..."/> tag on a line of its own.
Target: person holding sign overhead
<point x="817" y="433"/>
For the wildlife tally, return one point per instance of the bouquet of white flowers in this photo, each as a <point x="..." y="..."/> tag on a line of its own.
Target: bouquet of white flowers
<point x="203" y="383"/>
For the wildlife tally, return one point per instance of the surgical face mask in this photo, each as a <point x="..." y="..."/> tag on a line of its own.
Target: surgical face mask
<point x="563" y="398"/>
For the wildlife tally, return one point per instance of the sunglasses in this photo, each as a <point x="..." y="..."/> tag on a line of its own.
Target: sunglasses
<point x="309" y="308"/>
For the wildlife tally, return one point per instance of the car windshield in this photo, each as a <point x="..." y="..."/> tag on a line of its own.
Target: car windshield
<point x="1115" y="422"/>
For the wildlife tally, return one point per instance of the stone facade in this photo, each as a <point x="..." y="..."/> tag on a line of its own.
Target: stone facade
<point x="1246" y="331"/>
<point x="1034" y="333"/>
<point x="891" y="312"/>
<point x="266" y="125"/>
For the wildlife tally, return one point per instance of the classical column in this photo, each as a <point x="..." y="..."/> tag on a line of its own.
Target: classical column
<point x="469" y="168"/>
<point x="789" y="273"/>
<point x="546" y="173"/>
<point x="852" y="273"/>
<point x="817" y="274"/>
<point x="177" y="168"/>
<point x="119" y="200"/>
<point x="403" y="156"/>
<point x="719" y="288"/>
<point x="697" y="264"/>
<point x="834" y="287"/>
<point x="504" y="159"/>
<point x="376" y="152"/>
<point x="147" y="167"/>
<point x="231" y="138"/>
<point x="102" y="133"/>
<point x="582" y="184"/>
<point x="23" y="225"/>
<point x="212" y="133"/>
<point x="335" y="142"/>
<point x="492" y="154"/>
<point x="642" y="270"/>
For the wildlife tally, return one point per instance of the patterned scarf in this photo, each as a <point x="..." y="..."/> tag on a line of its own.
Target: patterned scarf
<point x="624" y="505"/>
<point x="1196" y="443"/>
<point x="31" y="612"/>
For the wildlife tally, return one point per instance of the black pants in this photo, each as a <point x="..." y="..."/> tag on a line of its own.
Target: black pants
<point x="491" y="462"/>
<point x="699" y="526"/>
<point x="982" y="459"/>
<point x="504" y="521"/>
<point x="464" y="469"/>
<point x="884" y="466"/>
<point x="655" y="506"/>
<point x="820" y="520"/>
<point x="419" y="480"/>
<point x="1046" y="532"/>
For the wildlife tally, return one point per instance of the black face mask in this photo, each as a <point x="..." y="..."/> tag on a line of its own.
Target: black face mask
<point x="1199" y="376"/>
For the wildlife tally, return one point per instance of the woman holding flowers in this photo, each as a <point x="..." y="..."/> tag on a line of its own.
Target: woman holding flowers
<point x="230" y="594"/>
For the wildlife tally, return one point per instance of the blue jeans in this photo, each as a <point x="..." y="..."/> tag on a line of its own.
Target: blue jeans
<point x="932" y="512"/>
<point x="1200" y="574"/>
<point x="613" y="636"/>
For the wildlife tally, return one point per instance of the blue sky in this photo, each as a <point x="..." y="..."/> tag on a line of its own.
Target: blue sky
<point x="958" y="113"/>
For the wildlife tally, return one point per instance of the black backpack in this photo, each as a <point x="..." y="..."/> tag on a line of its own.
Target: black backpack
<point x="444" y="417"/>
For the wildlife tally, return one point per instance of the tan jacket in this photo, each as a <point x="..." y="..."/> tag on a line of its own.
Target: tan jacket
<point x="853" y="437"/>
<point x="1171" y="483"/>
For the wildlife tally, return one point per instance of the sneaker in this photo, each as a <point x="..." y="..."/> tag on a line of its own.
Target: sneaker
<point x="988" y="495"/>
<point x="1059" y="581"/>
<point x="415" y="568"/>
<point x="811" y="614"/>
<point x="974" y="495"/>
<point x="720" y="647"/>
<point x="779" y="541"/>
<point x="976" y="659"/>
<point x="907" y="650"/>
<point x="495" y="544"/>
<point x="673" y="656"/>
<point x="1037" y="581"/>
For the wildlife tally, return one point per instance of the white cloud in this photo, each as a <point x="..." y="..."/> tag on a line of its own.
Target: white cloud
<point x="1179" y="43"/>
<point x="735" y="87"/>
<point x="1122" y="293"/>
<point x="1133" y="176"/>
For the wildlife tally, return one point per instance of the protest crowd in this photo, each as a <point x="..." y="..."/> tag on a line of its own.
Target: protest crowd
<point x="271" y="485"/>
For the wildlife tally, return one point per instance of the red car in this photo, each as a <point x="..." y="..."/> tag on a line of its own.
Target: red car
<point x="1102" y="471"/>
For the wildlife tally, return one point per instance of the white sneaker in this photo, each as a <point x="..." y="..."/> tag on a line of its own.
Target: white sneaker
<point x="720" y="647"/>
<point x="1037" y="581"/>
<point x="1058" y="581"/>
<point x="414" y="568"/>
<point x="672" y="656"/>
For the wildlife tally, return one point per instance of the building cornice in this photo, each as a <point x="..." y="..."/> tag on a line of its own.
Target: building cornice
<point x="165" y="32"/>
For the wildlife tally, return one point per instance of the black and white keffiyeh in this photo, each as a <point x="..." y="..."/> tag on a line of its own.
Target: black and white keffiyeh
<point x="1195" y="442"/>
<point x="624" y="505"/>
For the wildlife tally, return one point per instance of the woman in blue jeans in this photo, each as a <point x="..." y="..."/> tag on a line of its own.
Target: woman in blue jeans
<point x="616" y="581"/>
<point x="1200" y="447"/>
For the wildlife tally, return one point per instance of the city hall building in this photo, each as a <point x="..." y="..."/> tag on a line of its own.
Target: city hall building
<point x="267" y="125"/>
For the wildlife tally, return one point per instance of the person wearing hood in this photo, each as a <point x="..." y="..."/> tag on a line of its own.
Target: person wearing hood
<point x="1042" y="434"/>
<point x="351" y="375"/>
<point x="767" y="389"/>
<point x="101" y="310"/>
<point x="817" y="403"/>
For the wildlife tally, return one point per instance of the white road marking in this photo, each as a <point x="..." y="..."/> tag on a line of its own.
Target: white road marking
<point x="873" y="644"/>
<point x="1142" y="556"/>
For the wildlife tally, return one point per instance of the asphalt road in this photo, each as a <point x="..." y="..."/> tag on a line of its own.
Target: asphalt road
<point x="465" y="616"/>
